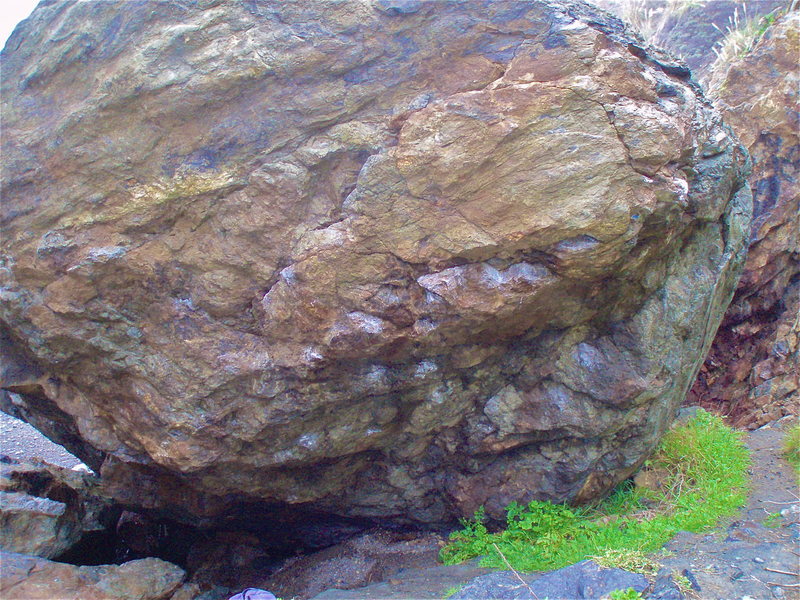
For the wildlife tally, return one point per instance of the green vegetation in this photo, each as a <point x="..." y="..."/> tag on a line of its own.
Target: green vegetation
<point x="705" y="465"/>
<point x="627" y="594"/>
<point x="683" y="583"/>
<point x="772" y="520"/>
<point x="452" y="591"/>
<point x="791" y="448"/>
<point x="635" y="561"/>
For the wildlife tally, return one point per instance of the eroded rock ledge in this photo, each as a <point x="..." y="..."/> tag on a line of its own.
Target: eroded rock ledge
<point x="379" y="258"/>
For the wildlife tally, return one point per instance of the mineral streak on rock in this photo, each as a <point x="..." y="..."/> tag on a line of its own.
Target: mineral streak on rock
<point x="382" y="258"/>
<point x="752" y="371"/>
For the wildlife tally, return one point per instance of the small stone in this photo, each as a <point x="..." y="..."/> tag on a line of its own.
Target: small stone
<point x="758" y="560"/>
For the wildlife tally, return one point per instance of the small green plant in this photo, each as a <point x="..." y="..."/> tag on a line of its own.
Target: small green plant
<point x="626" y="594"/>
<point x="791" y="448"/>
<point x="706" y="465"/>
<point x="772" y="520"/>
<point x="683" y="583"/>
<point x="452" y="591"/>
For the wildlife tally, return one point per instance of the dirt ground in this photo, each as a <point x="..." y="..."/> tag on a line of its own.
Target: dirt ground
<point x="758" y="554"/>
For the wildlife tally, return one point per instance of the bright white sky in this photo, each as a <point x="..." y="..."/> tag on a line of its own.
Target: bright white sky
<point x="11" y="13"/>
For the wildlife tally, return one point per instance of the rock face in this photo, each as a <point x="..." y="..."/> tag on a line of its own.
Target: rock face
<point x="45" y="510"/>
<point x="378" y="258"/>
<point x="30" y="578"/>
<point x="752" y="371"/>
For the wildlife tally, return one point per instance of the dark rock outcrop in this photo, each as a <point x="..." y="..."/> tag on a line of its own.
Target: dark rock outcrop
<point x="377" y="258"/>
<point x="753" y="370"/>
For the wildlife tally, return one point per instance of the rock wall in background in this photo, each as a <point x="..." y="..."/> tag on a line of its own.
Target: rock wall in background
<point x="691" y="29"/>
<point x="752" y="371"/>
<point x="373" y="258"/>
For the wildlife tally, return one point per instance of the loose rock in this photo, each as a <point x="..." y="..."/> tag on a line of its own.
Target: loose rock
<point x="582" y="580"/>
<point x="45" y="510"/>
<point x="29" y="578"/>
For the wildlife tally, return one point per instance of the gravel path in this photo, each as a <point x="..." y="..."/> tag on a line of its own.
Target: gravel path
<point x="19" y="440"/>
<point x="756" y="556"/>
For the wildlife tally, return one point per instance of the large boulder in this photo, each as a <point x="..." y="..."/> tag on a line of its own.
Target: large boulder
<point x="753" y="370"/>
<point x="380" y="258"/>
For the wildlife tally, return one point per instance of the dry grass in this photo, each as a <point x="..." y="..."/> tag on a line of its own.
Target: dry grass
<point x="649" y="18"/>
<point x="743" y="32"/>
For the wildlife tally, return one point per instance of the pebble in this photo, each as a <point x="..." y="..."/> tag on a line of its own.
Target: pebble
<point x="758" y="560"/>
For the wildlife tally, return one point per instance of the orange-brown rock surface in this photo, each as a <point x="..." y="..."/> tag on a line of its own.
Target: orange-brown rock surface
<point x="381" y="258"/>
<point x="30" y="578"/>
<point x="752" y="371"/>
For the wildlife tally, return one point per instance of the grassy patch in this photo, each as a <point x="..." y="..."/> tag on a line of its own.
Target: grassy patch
<point x="705" y="464"/>
<point x="635" y="561"/>
<point x="791" y="448"/>
<point x="772" y="520"/>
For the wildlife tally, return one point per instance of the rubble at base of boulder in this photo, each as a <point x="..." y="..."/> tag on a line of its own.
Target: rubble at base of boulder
<point x="46" y="509"/>
<point x="31" y="578"/>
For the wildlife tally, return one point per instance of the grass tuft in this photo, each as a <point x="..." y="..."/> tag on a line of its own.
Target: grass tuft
<point x="791" y="448"/>
<point x="705" y="465"/>
<point x="634" y="561"/>
<point x="742" y="34"/>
